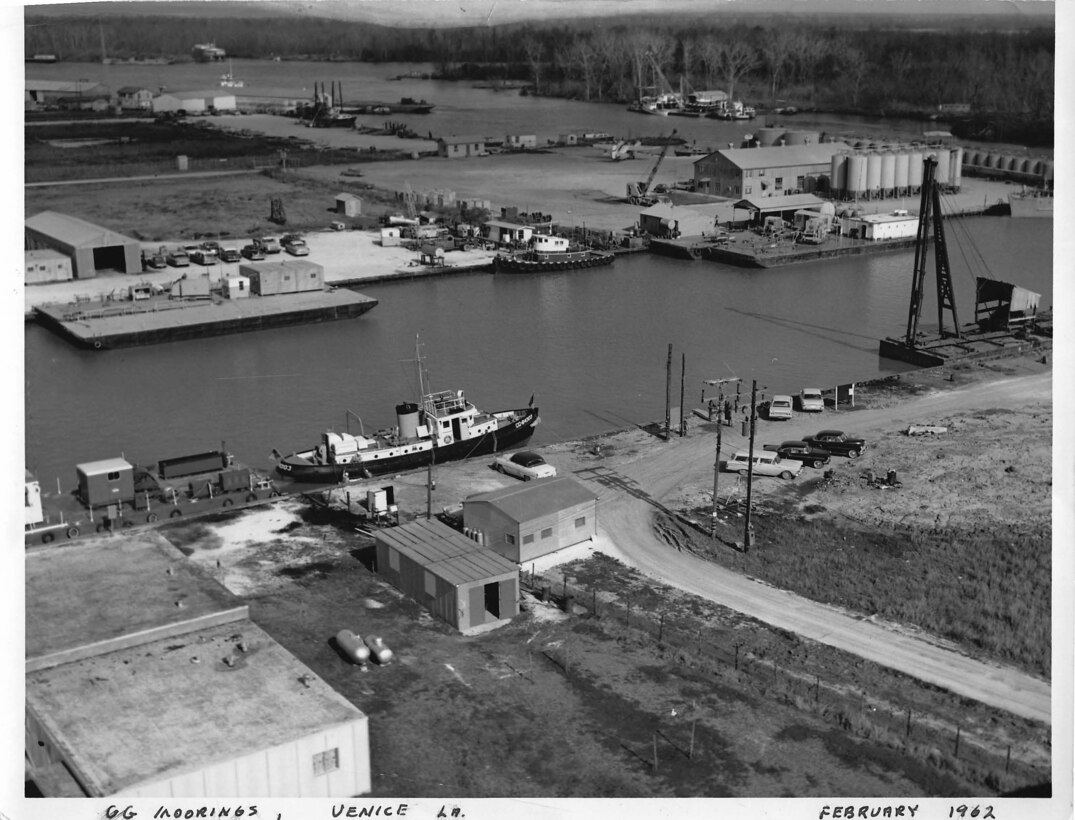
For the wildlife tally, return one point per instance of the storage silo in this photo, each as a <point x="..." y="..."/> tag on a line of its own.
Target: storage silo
<point x="1024" y="166"/>
<point x="903" y="164"/>
<point x="992" y="161"/>
<point x="888" y="173"/>
<point x="802" y="137"/>
<point x="914" y="171"/>
<point x="838" y="174"/>
<point x="856" y="175"/>
<point x="768" y="137"/>
<point x="955" y="168"/>
<point x="943" y="162"/>
<point x="1047" y="173"/>
<point x="873" y="175"/>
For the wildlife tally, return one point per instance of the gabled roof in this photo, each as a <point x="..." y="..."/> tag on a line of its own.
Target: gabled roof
<point x="133" y="89"/>
<point x="75" y="231"/>
<point x="779" y="203"/>
<point x="454" y="140"/>
<point x="445" y="552"/>
<point x="780" y="155"/>
<point x="523" y="502"/>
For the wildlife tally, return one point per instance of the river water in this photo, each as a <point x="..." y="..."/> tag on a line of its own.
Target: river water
<point x="591" y="346"/>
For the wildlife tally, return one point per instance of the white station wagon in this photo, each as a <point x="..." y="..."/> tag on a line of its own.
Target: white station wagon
<point x="765" y="463"/>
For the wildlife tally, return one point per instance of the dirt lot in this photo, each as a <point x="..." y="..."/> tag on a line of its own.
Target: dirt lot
<point x="605" y="698"/>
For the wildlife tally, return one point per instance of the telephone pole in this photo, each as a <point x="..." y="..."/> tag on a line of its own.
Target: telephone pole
<point x="748" y="528"/>
<point x="668" y="396"/>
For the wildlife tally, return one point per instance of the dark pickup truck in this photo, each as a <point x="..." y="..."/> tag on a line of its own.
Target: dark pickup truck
<point x="801" y="451"/>
<point x="837" y="442"/>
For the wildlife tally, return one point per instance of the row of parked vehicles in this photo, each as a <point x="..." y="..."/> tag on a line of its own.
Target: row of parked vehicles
<point x="787" y="460"/>
<point x="211" y="253"/>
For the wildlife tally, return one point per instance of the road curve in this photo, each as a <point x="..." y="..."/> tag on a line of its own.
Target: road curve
<point x="627" y="521"/>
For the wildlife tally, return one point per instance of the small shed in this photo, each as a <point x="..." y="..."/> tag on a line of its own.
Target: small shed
<point x="235" y="287"/>
<point x="109" y="481"/>
<point x="521" y="141"/>
<point x="507" y="233"/>
<point x="461" y="146"/>
<point x="528" y="520"/>
<point x="469" y="587"/>
<point x="191" y="287"/>
<point x="389" y="237"/>
<point x="47" y="265"/>
<point x="348" y="204"/>
<point x="135" y="98"/>
<point x="288" y="276"/>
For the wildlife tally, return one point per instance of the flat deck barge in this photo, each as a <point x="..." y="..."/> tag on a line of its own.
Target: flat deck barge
<point x="759" y="252"/>
<point x="933" y="349"/>
<point x="102" y="325"/>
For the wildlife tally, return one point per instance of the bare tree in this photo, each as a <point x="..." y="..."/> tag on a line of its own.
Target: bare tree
<point x="854" y="67"/>
<point x="776" y="51"/>
<point x="534" y="50"/>
<point x="734" y="60"/>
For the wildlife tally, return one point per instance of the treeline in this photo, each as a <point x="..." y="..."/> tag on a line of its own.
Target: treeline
<point x="806" y="61"/>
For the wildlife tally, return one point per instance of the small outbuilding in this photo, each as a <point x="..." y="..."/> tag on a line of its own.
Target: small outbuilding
<point x="469" y="587"/>
<point x="348" y="204"/>
<point x="47" y="265"/>
<point x="91" y="248"/>
<point x="110" y="481"/>
<point x="521" y="141"/>
<point x="528" y="520"/>
<point x="288" y="276"/>
<point x="453" y="146"/>
<point x="507" y="233"/>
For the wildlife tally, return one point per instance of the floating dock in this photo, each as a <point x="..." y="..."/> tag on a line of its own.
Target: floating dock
<point x="932" y="350"/>
<point x="112" y="324"/>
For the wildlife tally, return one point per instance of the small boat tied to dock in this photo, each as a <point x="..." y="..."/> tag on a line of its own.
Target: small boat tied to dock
<point x="550" y="253"/>
<point x="443" y="427"/>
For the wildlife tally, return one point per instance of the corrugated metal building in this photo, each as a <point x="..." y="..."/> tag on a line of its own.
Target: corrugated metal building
<point x="471" y="588"/>
<point x="667" y="220"/>
<point x="91" y="248"/>
<point x="528" y="520"/>
<point x="766" y="172"/>
<point x="784" y="206"/>
<point x="348" y="204"/>
<point x="146" y="678"/>
<point x="286" y="276"/>
<point x="47" y="265"/>
<point x="506" y="233"/>
<point x="49" y="92"/>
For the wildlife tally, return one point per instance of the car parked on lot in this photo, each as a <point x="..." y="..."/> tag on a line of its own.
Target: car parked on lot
<point x="268" y="244"/>
<point x="801" y="451"/>
<point x="230" y="255"/>
<point x="178" y="258"/>
<point x="253" y="252"/>
<point x="811" y="400"/>
<point x="766" y="462"/>
<point x="202" y="256"/>
<point x="212" y="246"/>
<point x="837" y="442"/>
<point x="296" y="246"/>
<point x="153" y="261"/>
<point x="780" y="408"/>
<point x="524" y="464"/>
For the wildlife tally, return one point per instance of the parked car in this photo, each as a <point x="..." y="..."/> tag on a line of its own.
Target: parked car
<point x="212" y="246"/>
<point x="253" y="252"/>
<point x="178" y="258"/>
<point x="153" y="261"/>
<point x="837" y="442"/>
<point x="268" y="244"/>
<point x="296" y="247"/>
<point x="525" y="465"/>
<point x="780" y="408"/>
<point x="765" y="463"/>
<point x="201" y="256"/>
<point x="810" y="400"/>
<point x="801" y="451"/>
<point x="230" y="255"/>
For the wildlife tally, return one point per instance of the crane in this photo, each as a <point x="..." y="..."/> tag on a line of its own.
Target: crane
<point x="638" y="192"/>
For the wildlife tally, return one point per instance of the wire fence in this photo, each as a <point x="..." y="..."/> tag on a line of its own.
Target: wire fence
<point x="757" y="666"/>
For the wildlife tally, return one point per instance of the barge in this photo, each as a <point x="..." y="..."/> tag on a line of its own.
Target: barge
<point x="107" y="325"/>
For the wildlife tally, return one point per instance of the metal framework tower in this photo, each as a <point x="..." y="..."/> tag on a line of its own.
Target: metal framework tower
<point x="930" y="208"/>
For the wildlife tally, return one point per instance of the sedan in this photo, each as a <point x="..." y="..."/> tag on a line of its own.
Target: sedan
<point x="801" y="451"/>
<point x="253" y="252"/>
<point x="230" y="255"/>
<point x="296" y="247"/>
<point x="525" y="464"/>
<point x="810" y="400"/>
<point x="837" y="442"/>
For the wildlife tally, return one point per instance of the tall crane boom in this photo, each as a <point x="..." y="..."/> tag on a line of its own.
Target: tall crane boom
<point x="657" y="164"/>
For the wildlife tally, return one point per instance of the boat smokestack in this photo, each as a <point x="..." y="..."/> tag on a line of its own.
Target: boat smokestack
<point x="407" y="419"/>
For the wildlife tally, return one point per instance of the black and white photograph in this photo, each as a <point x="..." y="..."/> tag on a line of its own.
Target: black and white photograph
<point x="540" y="409"/>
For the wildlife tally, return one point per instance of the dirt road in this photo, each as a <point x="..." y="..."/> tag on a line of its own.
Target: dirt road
<point x="630" y="492"/>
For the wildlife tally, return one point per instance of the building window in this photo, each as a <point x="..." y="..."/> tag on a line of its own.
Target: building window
<point x="509" y="538"/>
<point x="779" y="183"/>
<point x="800" y="183"/>
<point x="547" y="532"/>
<point x="747" y="190"/>
<point x="113" y="476"/>
<point x="580" y="522"/>
<point x="325" y="762"/>
<point x="528" y="539"/>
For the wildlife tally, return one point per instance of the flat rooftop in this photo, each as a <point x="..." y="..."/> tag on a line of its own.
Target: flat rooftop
<point x="100" y="595"/>
<point x="156" y="710"/>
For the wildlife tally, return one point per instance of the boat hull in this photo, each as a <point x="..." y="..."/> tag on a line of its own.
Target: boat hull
<point x="299" y="468"/>
<point x="1031" y="206"/>
<point x="541" y="263"/>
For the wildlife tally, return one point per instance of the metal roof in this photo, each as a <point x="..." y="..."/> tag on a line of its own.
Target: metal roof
<point x="531" y="499"/>
<point x="781" y="155"/>
<point x="780" y="203"/>
<point x="75" y="231"/>
<point x="445" y="552"/>
<point x="105" y="465"/>
<point x="454" y="140"/>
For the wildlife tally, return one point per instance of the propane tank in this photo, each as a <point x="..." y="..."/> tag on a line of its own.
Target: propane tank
<point x="352" y="646"/>
<point x="381" y="653"/>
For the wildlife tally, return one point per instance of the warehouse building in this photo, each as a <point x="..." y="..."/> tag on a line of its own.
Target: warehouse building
<point x="165" y="689"/>
<point x="771" y="171"/>
<point x="91" y="248"/>
<point x="46" y="93"/>
<point x="784" y="207"/>
<point x="46" y="265"/>
<point x="193" y="102"/>
<point x="471" y="588"/>
<point x="287" y="276"/>
<point x="526" y="521"/>
<point x="669" y="221"/>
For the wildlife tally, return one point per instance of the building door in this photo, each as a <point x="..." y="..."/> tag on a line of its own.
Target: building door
<point x="492" y="599"/>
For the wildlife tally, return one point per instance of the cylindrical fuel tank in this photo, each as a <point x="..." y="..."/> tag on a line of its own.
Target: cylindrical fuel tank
<point x="888" y="172"/>
<point x="943" y="166"/>
<point x="768" y="136"/>
<point x="902" y="170"/>
<point x="873" y="173"/>
<point x="838" y="173"/>
<point x="955" y="168"/>
<point x="351" y="645"/>
<point x="856" y="174"/>
<point x="914" y="170"/>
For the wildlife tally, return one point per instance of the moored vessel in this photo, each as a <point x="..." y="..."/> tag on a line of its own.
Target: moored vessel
<point x="1031" y="204"/>
<point x="550" y="253"/>
<point x="443" y="427"/>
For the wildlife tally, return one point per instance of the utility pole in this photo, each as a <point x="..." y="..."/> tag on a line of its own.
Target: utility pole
<point x="716" y="474"/>
<point x="668" y="396"/>
<point x="748" y="528"/>
<point x="682" y="377"/>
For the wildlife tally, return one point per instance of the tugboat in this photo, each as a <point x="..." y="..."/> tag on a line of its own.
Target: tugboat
<point x="444" y="427"/>
<point x="324" y="112"/>
<point x="550" y="253"/>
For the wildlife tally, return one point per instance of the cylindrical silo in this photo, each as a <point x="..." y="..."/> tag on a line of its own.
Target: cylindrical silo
<point x="888" y="173"/>
<point x="873" y="174"/>
<point x="914" y="171"/>
<point x="768" y="137"/>
<point x="1024" y="166"/>
<point x="1047" y="173"/>
<point x="1037" y="167"/>
<point x="838" y="173"/>
<point x="992" y="160"/>
<point x="903" y="159"/>
<point x="955" y="168"/>
<point x="856" y="175"/>
<point x="802" y="137"/>
<point x="943" y="161"/>
<point x="972" y="158"/>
